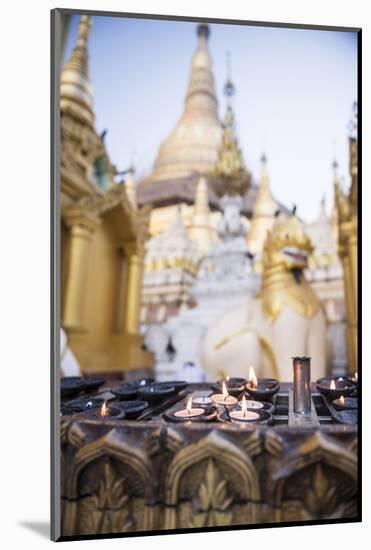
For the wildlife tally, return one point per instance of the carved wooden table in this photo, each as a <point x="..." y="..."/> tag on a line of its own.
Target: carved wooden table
<point x="146" y="475"/>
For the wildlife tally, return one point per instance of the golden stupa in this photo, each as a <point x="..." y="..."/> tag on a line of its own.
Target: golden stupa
<point x="193" y="145"/>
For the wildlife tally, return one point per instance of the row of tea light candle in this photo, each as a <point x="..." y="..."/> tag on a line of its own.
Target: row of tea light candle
<point x="224" y="401"/>
<point x="227" y="401"/>
<point x="240" y="415"/>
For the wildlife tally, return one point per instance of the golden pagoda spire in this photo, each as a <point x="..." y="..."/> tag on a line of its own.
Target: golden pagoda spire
<point x="193" y="144"/>
<point x="76" y="91"/>
<point x="263" y="217"/>
<point x="201" y="230"/>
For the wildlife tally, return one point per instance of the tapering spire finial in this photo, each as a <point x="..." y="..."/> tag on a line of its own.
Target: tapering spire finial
<point x="76" y="93"/>
<point x="203" y="30"/>
<point x="263" y="159"/>
<point x="229" y="87"/>
<point x="84" y="30"/>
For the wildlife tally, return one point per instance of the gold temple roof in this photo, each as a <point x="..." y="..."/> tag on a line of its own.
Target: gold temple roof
<point x="193" y="145"/>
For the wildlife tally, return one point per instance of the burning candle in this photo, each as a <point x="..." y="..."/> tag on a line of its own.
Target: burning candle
<point x="253" y="381"/>
<point x="224" y="399"/>
<point x="244" y="415"/>
<point x="189" y="412"/>
<point x="261" y="389"/>
<point x="339" y="404"/>
<point x="334" y="389"/>
<point x="104" y="410"/>
<point x="102" y="413"/>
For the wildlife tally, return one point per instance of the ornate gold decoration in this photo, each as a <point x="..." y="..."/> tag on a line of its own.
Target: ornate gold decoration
<point x="286" y="250"/>
<point x="212" y="502"/>
<point x="231" y="176"/>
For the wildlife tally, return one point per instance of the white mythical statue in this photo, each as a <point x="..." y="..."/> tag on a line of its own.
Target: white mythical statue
<point x="284" y="319"/>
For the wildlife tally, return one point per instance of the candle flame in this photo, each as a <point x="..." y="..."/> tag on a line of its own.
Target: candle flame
<point x="224" y="391"/>
<point x="104" y="409"/>
<point x="356" y="375"/>
<point x="253" y="381"/>
<point x="227" y="379"/>
<point x="342" y="400"/>
<point x="244" y="406"/>
<point x="189" y="405"/>
<point x="341" y="379"/>
<point x="332" y="385"/>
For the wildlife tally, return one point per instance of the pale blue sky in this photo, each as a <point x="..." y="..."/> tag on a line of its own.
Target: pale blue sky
<point x="295" y="90"/>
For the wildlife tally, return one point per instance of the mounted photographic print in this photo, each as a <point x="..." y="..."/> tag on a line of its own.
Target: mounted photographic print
<point x="205" y="307"/>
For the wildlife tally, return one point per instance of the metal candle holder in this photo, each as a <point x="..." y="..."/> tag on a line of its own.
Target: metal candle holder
<point x="302" y="393"/>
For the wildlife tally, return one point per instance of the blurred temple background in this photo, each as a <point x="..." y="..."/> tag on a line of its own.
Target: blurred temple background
<point x="151" y="261"/>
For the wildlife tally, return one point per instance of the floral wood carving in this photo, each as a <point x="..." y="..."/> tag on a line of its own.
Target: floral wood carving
<point x="212" y="502"/>
<point x="112" y="513"/>
<point x="320" y="500"/>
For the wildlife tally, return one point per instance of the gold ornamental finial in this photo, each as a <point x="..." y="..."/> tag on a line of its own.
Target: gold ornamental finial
<point x="76" y="92"/>
<point x="231" y="176"/>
